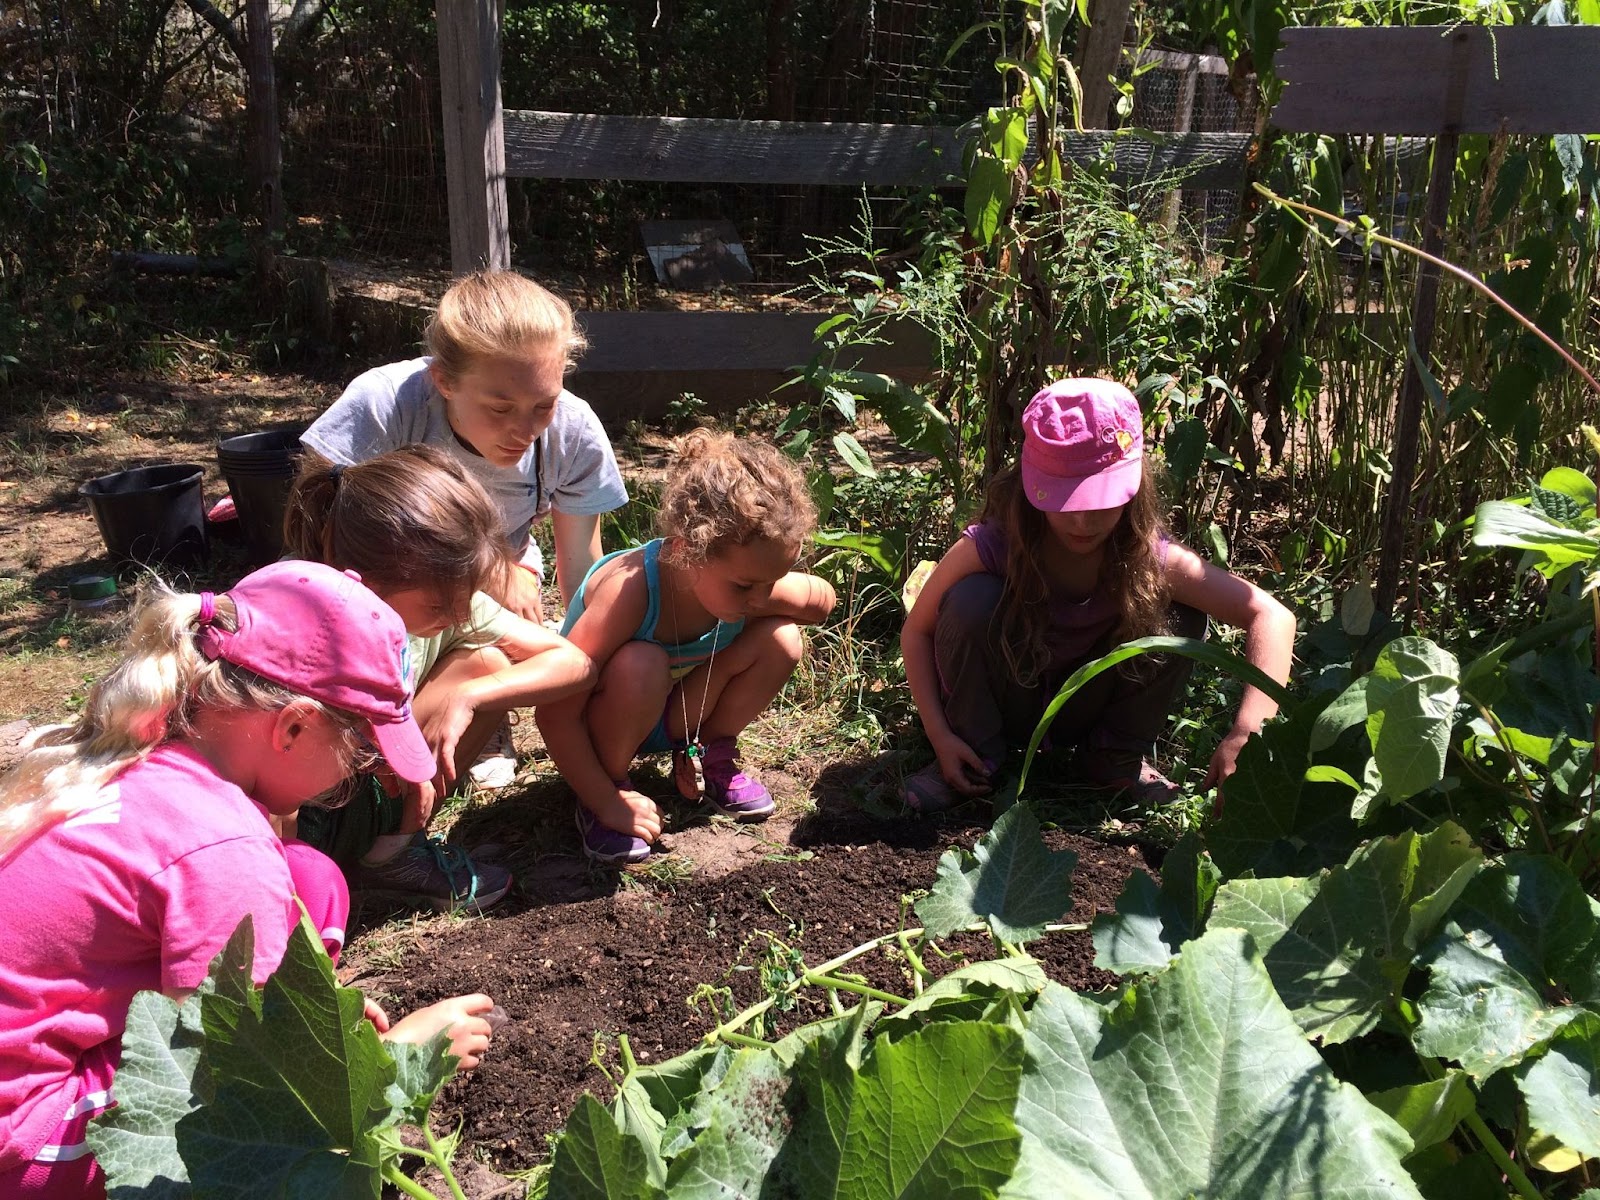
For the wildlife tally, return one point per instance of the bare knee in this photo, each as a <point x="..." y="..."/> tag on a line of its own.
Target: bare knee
<point x="780" y="640"/>
<point x="637" y="669"/>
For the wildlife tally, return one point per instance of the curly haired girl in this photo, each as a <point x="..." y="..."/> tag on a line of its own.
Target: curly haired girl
<point x="694" y="634"/>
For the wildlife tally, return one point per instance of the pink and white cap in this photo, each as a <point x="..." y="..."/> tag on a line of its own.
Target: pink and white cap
<point x="321" y="633"/>
<point x="1082" y="446"/>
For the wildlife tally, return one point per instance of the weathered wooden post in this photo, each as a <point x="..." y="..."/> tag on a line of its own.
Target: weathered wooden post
<point x="1182" y="122"/>
<point x="266" y="146"/>
<point x="1439" y="83"/>
<point x="474" y="136"/>
<point x="1097" y="59"/>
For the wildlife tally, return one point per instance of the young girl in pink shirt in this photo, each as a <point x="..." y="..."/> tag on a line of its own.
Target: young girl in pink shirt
<point x="133" y="842"/>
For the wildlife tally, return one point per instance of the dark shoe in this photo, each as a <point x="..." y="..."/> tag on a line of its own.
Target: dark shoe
<point x="607" y="846"/>
<point x="728" y="789"/>
<point x="1150" y="789"/>
<point x="927" y="792"/>
<point x="433" y="872"/>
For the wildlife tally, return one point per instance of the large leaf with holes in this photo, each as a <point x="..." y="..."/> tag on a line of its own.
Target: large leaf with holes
<point x="1340" y="946"/>
<point x="1515" y="964"/>
<point x="1010" y="881"/>
<point x="1197" y="1082"/>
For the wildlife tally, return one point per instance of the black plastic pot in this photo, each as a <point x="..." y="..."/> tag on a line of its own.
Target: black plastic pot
<point x="151" y="515"/>
<point x="260" y="468"/>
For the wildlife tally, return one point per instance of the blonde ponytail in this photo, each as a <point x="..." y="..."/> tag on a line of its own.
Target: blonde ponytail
<point x="151" y="695"/>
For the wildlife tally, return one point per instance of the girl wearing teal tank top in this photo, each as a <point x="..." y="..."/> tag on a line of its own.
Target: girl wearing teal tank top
<point x="694" y="634"/>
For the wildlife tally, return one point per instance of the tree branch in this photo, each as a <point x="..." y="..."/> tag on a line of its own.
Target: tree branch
<point x="208" y="13"/>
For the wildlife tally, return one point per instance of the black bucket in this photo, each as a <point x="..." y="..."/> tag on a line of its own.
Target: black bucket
<point x="151" y="515"/>
<point x="260" y="468"/>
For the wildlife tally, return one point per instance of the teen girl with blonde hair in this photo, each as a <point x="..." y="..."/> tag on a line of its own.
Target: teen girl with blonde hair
<point x="490" y="394"/>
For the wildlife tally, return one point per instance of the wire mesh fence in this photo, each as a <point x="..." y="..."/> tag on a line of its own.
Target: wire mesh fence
<point x="364" y="168"/>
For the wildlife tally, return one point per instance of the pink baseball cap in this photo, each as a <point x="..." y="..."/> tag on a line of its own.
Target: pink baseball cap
<point x="320" y="632"/>
<point x="1082" y="446"/>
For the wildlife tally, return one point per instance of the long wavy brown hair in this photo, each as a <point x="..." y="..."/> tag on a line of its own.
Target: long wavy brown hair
<point x="1130" y="571"/>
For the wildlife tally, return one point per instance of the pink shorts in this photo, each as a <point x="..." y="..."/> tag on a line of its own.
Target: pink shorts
<point x="64" y="1169"/>
<point x="321" y="887"/>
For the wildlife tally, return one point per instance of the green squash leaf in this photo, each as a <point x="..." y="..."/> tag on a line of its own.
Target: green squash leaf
<point x="1429" y="1111"/>
<point x="135" y="1142"/>
<point x="1411" y="695"/>
<point x="926" y="1117"/>
<point x="1340" y="947"/>
<point x="299" y="1080"/>
<point x="1197" y="1083"/>
<point x="1152" y="923"/>
<point x="595" y="1160"/>
<point x="1552" y="547"/>
<point x="1010" y="880"/>
<point x="1562" y="1088"/>
<point x="746" y="1123"/>
<point x="1274" y="820"/>
<point x="1514" y="966"/>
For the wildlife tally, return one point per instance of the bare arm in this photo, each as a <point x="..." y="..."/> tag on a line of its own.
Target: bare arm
<point x="958" y="762"/>
<point x="577" y="549"/>
<point x="802" y="598"/>
<point x="1269" y="630"/>
<point x="544" y="667"/>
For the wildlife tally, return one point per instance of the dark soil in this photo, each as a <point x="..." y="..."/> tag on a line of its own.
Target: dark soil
<point x="627" y="963"/>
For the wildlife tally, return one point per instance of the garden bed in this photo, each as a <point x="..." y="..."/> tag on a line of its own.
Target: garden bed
<point x="628" y="963"/>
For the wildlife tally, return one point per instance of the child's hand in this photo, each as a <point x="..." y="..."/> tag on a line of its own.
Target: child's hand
<point x="419" y="798"/>
<point x="443" y="732"/>
<point x="373" y="1012"/>
<point x="962" y="767"/>
<point x="1226" y="758"/>
<point x="631" y="812"/>
<point x="464" y="1018"/>
<point x="524" y="595"/>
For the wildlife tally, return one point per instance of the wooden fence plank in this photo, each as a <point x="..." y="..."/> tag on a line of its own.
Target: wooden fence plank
<point x="1537" y="79"/>
<point x="469" y="77"/>
<point x="728" y="341"/>
<point x="549" y="145"/>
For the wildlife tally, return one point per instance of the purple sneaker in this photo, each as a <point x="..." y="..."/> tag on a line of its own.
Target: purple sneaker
<point x="607" y="846"/>
<point x="729" y="790"/>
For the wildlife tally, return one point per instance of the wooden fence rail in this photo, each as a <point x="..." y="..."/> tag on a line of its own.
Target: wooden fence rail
<point x="556" y="145"/>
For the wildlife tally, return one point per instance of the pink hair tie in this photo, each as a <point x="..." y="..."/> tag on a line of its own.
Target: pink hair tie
<point x="208" y="608"/>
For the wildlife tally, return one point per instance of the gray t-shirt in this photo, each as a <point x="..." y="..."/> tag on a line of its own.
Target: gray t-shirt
<point x="570" y="468"/>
